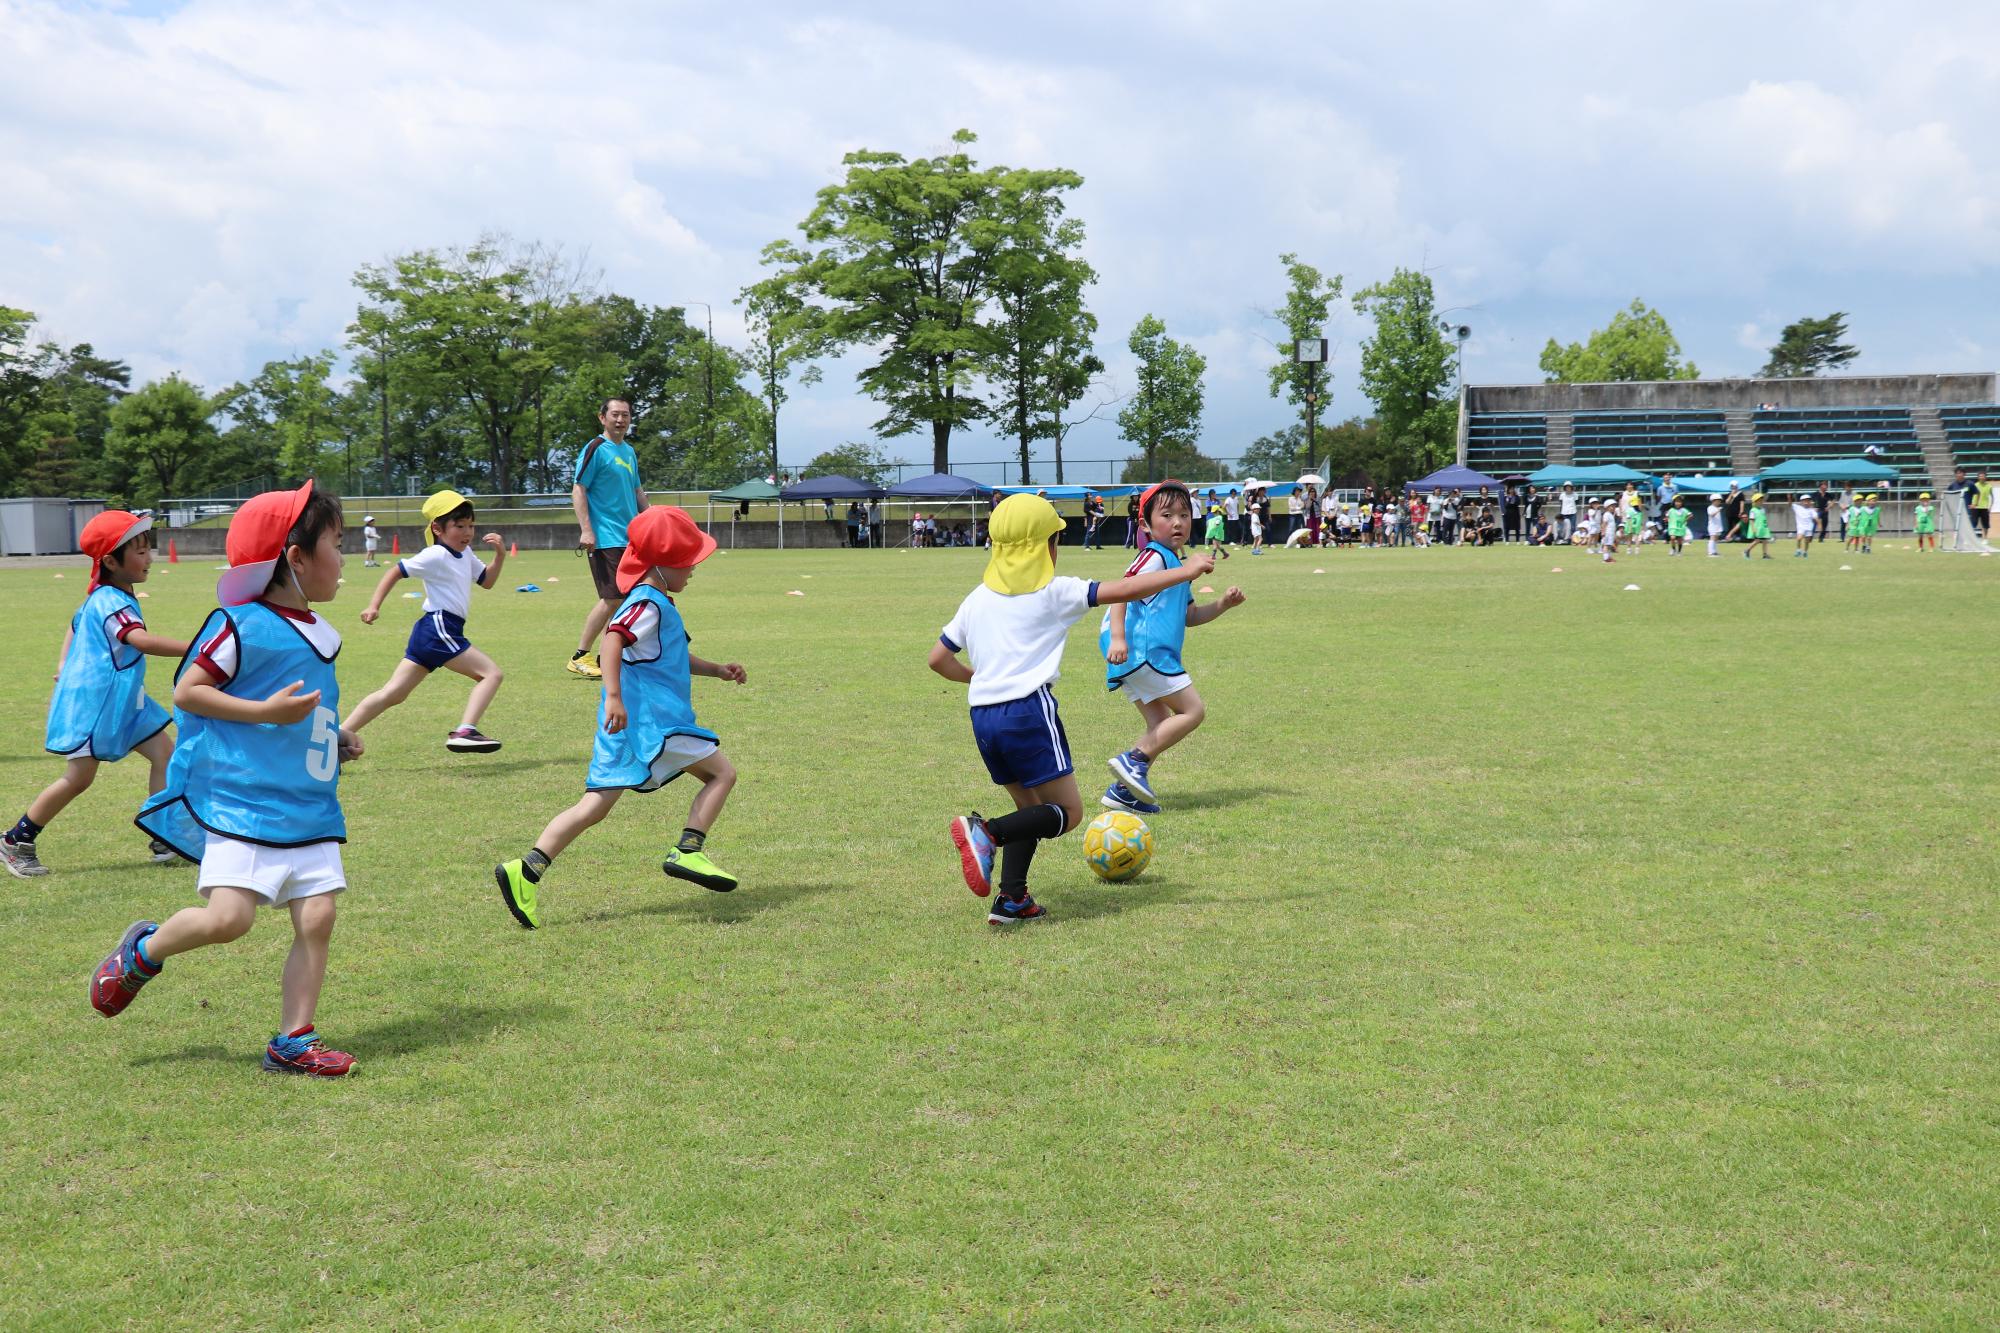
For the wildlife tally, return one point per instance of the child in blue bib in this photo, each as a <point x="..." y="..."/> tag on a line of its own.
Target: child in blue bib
<point x="1142" y="643"/>
<point x="647" y="734"/>
<point x="100" y="711"/>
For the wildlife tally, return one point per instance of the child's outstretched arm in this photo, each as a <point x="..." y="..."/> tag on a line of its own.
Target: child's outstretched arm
<point x="156" y="645"/>
<point x="1141" y="586"/>
<point x="390" y="576"/>
<point x="731" y="671"/>
<point x="492" y="539"/>
<point x="945" y="662"/>
<point x="1207" y="611"/>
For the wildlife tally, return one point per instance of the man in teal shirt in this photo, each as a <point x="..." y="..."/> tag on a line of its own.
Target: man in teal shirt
<point x="606" y="496"/>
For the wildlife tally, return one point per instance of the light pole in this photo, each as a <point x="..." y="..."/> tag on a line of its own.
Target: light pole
<point x="709" y="396"/>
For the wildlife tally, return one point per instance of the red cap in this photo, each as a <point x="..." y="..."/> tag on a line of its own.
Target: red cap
<point x="1146" y="496"/>
<point x="257" y="543"/>
<point x="105" y="533"/>
<point x="661" y="537"/>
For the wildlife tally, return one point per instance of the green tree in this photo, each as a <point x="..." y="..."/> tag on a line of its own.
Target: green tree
<point x="1406" y="366"/>
<point x="863" y="462"/>
<point x="286" y="416"/>
<point x="1309" y="298"/>
<point x="784" y="332"/>
<point x="493" y="324"/>
<point x="1357" y="444"/>
<point x="1173" y="458"/>
<point x="1164" y="413"/>
<point x="1066" y="376"/>
<point x="1636" y="345"/>
<point x="1043" y="362"/>
<point x="1810" y="347"/>
<point x="900" y="259"/>
<point x="160" y="433"/>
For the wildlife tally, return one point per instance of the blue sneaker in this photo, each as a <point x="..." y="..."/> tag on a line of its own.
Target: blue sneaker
<point x="975" y="852"/>
<point x="1012" y="912"/>
<point x="1118" y="797"/>
<point x="1131" y="770"/>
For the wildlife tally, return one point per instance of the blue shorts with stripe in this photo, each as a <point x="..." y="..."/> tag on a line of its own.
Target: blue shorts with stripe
<point x="1022" y="740"/>
<point x="436" y="638"/>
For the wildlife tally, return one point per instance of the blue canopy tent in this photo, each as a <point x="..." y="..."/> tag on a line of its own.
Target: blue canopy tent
<point x="944" y="486"/>
<point x="1602" y="475"/>
<point x="1715" y="485"/>
<point x="824" y="488"/>
<point x="1069" y="492"/>
<point x="1457" y="477"/>
<point x="1830" y="469"/>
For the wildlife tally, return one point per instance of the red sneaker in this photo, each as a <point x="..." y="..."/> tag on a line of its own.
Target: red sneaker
<point x="302" y="1052"/>
<point x="119" y="977"/>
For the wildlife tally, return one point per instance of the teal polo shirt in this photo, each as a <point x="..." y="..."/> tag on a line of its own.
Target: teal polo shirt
<point x="609" y="475"/>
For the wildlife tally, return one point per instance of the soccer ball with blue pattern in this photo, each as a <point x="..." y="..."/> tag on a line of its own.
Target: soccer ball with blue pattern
<point x="1118" y="845"/>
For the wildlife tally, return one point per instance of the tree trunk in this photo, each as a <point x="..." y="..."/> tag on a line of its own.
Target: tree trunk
<point x="940" y="446"/>
<point x="1021" y="424"/>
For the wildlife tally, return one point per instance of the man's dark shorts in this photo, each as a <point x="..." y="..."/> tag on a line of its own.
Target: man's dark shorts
<point x="604" y="571"/>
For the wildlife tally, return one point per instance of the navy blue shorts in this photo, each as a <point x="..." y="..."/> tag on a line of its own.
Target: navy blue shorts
<point x="436" y="638"/>
<point x="1022" y="740"/>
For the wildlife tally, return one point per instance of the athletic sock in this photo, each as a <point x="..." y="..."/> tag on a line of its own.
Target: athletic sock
<point x="578" y="654"/>
<point x="24" y="831"/>
<point x="147" y="967"/>
<point x="692" y="840"/>
<point x="1015" y="858"/>
<point x="534" y="865"/>
<point x="1037" y="821"/>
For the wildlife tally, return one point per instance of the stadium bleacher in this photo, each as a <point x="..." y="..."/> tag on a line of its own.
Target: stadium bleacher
<point x="1502" y="443"/>
<point x="1840" y="432"/>
<point x="1656" y="442"/>
<point x="1974" y="434"/>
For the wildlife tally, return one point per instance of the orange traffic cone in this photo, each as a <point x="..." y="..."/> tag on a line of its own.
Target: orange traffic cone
<point x="395" y="544"/>
<point x="513" y="548"/>
<point x="173" y="552"/>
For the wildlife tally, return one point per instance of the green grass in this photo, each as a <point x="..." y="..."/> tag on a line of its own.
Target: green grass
<point x="1519" y="952"/>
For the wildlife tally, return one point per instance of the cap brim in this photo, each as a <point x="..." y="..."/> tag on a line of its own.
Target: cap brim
<point x="245" y="583"/>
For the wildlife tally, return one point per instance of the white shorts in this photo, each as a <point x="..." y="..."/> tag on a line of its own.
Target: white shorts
<point x="1145" y="685"/>
<point x="276" y="874"/>
<point x="676" y="754"/>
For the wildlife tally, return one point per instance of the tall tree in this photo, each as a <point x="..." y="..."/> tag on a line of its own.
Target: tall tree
<point x="784" y="332"/>
<point x="1309" y="298"/>
<point x="863" y="462"/>
<point x="1044" y="331"/>
<point x="1636" y="345"/>
<point x="1165" y="410"/>
<point x="286" y="415"/>
<point x="1067" y="375"/>
<point x="900" y="259"/>
<point x="1406" y="365"/>
<point x="159" y="433"/>
<point x="493" y="324"/>
<point x="1810" y="347"/>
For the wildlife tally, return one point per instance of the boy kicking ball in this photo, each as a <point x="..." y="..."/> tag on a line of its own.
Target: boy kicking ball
<point x="646" y="730"/>
<point x="1142" y="643"/>
<point x="1012" y="629"/>
<point x="438" y="638"/>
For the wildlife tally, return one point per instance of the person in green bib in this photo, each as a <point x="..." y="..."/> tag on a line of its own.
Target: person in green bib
<point x="1926" y="518"/>
<point x="1760" y="528"/>
<point x="1677" y="527"/>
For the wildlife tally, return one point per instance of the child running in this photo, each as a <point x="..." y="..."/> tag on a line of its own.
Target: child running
<point x="100" y="711"/>
<point x="1012" y="628"/>
<point x="1677" y="527"/>
<point x="1871" y="522"/>
<point x="1805" y="522"/>
<point x="1714" y="524"/>
<point x="1607" y="530"/>
<point x="1926" y="521"/>
<point x="438" y="638"/>
<point x="1141" y="644"/>
<point x="1760" y="528"/>
<point x="646" y="730"/>
<point x="253" y="792"/>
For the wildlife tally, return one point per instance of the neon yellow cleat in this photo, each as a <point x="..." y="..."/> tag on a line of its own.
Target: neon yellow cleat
<point x="585" y="665"/>
<point x="696" y="868"/>
<point x="518" y="892"/>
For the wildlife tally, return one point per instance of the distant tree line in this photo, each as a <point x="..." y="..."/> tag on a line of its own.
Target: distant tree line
<point x="961" y="286"/>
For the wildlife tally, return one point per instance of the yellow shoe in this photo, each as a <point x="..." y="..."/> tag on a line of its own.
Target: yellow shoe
<point x="585" y="665"/>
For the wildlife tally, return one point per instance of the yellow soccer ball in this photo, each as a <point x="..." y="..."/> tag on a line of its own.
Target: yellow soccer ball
<point x="1118" y="845"/>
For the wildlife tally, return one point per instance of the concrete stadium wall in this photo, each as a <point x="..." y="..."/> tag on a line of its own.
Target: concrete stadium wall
<point x="1669" y="395"/>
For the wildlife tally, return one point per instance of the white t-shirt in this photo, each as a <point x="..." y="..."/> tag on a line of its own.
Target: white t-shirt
<point x="448" y="577"/>
<point x="1715" y="517"/>
<point x="1804" y="518"/>
<point x="1015" y="644"/>
<point x="369" y="537"/>
<point x="1569" y="504"/>
<point x="1229" y="507"/>
<point x="1292" y="502"/>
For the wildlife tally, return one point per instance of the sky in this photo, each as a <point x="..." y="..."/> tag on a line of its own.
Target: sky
<point x="191" y="186"/>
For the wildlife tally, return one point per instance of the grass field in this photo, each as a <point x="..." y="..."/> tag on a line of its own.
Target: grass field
<point x="1519" y="952"/>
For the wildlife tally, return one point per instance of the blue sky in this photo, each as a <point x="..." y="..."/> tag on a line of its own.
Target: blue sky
<point x="191" y="186"/>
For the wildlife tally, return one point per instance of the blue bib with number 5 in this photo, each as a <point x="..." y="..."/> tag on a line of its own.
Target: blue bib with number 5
<point x="256" y="782"/>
